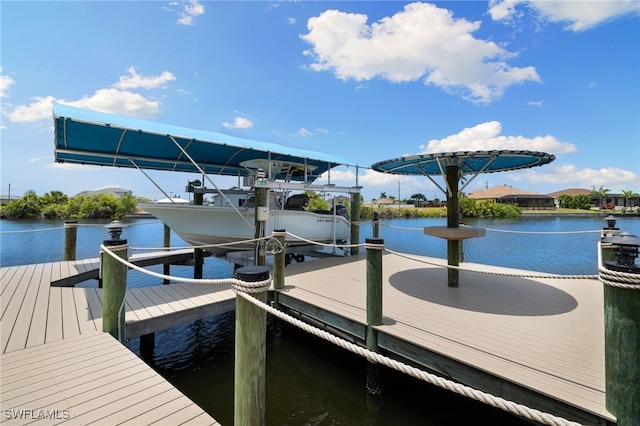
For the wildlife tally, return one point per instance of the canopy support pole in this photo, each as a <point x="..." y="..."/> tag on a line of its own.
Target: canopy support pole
<point x="152" y="181"/>
<point x="210" y="181"/>
<point x="453" y="220"/>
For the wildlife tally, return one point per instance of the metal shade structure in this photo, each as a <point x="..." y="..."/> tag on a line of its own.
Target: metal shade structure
<point x="95" y="138"/>
<point x="466" y="162"/>
<point x="452" y="166"/>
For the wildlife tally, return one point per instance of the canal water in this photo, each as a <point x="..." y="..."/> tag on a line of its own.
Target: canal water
<point x="309" y="381"/>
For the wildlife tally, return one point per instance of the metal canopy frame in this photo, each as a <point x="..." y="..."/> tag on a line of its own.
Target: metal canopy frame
<point x="468" y="163"/>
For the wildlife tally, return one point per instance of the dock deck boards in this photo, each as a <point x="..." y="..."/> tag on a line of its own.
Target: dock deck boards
<point x="96" y="380"/>
<point x="541" y="334"/>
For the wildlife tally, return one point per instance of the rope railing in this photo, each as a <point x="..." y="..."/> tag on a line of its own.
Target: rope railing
<point x="201" y="246"/>
<point x="297" y="237"/>
<point x="506" y="274"/>
<point x="243" y="289"/>
<point x="79" y="225"/>
<point x="469" y="392"/>
<point x="236" y="284"/>
<point x="506" y="230"/>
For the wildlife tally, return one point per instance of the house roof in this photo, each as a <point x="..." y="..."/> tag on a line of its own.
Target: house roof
<point x="116" y="191"/>
<point x="499" y="192"/>
<point x="570" y="191"/>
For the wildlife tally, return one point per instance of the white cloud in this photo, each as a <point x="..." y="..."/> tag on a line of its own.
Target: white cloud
<point x="535" y="103"/>
<point x="187" y="11"/>
<point x="239" y="123"/>
<point x="571" y="175"/>
<point x="580" y="16"/>
<point x="5" y="83"/>
<point x="119" y="102"/>
<point x="486" y="136"/>
<point x="110" y="100"/>
<point x="40" y="108"/>
<point x="303" y="132"/>
<point x="421" y="42"/>
<point x="135" y="80"/>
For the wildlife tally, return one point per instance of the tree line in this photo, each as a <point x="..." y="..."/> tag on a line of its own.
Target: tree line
<point x="57" y="205"/>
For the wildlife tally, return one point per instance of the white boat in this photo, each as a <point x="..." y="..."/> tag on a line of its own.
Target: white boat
<point x="95" y="138"/>
<point x="221" y="227"/>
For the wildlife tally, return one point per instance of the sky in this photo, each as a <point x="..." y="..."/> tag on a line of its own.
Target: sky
<point x="366" y="80"/>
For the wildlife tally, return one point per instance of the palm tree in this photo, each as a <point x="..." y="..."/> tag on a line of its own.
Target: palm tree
<point x="626" y="195"/>
<point x="601" y="193"/>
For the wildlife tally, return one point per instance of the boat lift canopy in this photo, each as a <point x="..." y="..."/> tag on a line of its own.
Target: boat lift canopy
<point x="95" y="138"/>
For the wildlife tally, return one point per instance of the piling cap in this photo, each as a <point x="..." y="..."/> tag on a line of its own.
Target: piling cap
<point x="623" y="239"/>
<point x="252" y="273"/>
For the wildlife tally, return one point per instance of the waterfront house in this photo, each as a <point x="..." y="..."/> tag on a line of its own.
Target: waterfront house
<point x="509" y="195"/>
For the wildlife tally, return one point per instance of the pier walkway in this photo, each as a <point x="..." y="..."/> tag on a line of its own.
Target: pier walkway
<point x="538" y="342"/>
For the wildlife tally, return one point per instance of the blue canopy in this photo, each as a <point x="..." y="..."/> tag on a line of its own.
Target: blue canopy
<point x="91" y="137"/>
<point x="468" y="162"/>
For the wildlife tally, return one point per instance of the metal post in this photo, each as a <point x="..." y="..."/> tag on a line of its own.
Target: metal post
<point x="114" y="285"/>
<point x="70" y="237"/>
<point x="374" y="309"/>
<point x="355" y="222"/>
<point x="250" y="352"/>
<point x="262" y="201"/>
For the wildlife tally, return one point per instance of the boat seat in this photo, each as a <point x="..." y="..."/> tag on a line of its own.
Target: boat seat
<point x="296" y="202"/>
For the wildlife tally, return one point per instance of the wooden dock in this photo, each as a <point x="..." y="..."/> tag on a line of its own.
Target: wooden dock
<point x="538" y="342"/>
<point x="52" y="338"/>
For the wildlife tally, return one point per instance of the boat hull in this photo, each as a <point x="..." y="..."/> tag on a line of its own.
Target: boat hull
<point x="224" y="228"/>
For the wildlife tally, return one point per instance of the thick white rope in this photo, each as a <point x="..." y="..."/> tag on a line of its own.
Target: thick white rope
<point x="497" y="402"/>
<point x="322" y="244"/>
<point x="506" y="274"/>
<point x="32" y="230"/>
<point x="237" y="285"/>
<point x="619" y="279"/>
<point x="203" y="246"/>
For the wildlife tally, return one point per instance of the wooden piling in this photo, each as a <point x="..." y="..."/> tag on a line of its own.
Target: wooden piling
<point x="376" y="224"/>
<point x="198" y="259"/>
<point x="250" y="352"/>
<point x="355" y="222"/>
<point x="453" y="220"/>
<point x="622" y="345"/>
<point x="70" y="237"/>
<point x="114" y="286"/>
<point x="374" y="309"/>
<point x="279" y="260"/>
<point x="166" y="267"/>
